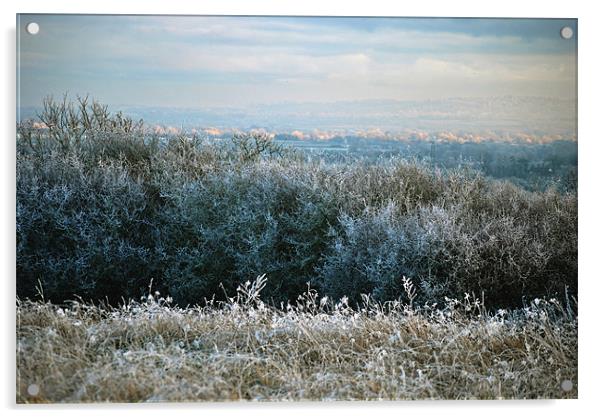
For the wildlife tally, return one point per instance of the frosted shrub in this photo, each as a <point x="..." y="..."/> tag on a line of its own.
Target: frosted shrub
<point x="240" y="223"/>
<point x="371" y="255"/>
<point x="81" y="232"/>
<point x="103" y="207"/>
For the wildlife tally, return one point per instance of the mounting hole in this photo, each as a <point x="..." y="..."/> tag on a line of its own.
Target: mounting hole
<point x="566" y="32"/>
<point x="33" y="390"/>
<point x="32" y="28"/>
<point x="566" y="385"/>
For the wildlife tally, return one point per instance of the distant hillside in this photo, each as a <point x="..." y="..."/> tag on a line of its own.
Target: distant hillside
<point x="500" y="115"/>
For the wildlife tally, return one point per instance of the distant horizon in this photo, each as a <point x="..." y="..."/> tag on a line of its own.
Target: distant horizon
<point x="117" y="106"/>
<point x="528" y="117"/>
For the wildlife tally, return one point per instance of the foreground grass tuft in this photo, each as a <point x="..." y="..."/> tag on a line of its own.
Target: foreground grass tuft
<point x="317" y="349"/>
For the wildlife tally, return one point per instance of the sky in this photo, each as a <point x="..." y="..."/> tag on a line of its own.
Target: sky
<point x="208" y="62"/>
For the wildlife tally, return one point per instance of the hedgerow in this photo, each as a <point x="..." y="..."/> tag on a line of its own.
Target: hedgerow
<point x="104" y="207"/>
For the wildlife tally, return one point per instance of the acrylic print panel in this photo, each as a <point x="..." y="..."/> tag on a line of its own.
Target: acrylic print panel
<point x="295" y="208"/>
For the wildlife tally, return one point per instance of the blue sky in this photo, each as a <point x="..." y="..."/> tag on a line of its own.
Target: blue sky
<point x="242" y="61"/>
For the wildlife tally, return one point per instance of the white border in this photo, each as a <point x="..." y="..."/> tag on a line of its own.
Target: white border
<point x="589" y="187"/>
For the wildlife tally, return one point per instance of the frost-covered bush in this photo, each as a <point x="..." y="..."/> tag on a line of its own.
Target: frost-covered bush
<point x="503" y="242"/>
<point x="102" y="212"/>
<point x="235" y="222"/>
<point x="84" y="232"/>
<point x="373" y="253"/>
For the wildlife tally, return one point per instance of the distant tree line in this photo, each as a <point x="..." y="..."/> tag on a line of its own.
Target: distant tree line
<point x="534" y="166"/>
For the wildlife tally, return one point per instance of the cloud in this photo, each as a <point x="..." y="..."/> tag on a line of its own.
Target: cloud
<point x="208" y="61"/>
<point x="403" y="35"/>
